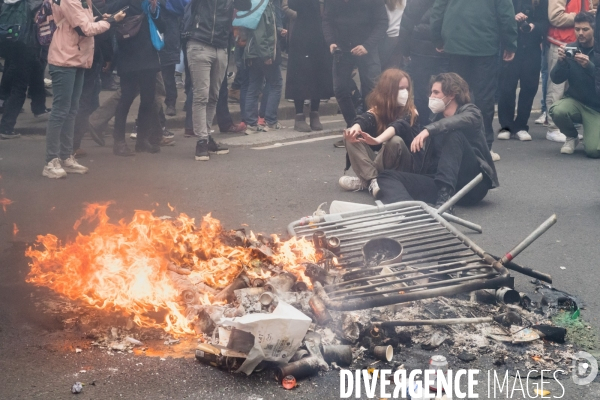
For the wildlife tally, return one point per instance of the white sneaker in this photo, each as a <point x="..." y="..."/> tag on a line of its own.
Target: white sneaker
<point x="569" y="146"/>
<point x="353" y="183"/>
<point x="495" y="156"/>
<point x="71" y="166"/>
<point x="54" y="170"/>
<point x="556" y="135"/>
<point x="374" y="188"/>
<point x="543" y="119"/>
<point x="523" y="136"/>
<point x="504" y="134"/>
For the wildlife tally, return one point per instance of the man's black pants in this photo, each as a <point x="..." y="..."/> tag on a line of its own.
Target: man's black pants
<point x="457" y="166"/>
<point x="482" y="76"/>
<point x="523" y="71"/>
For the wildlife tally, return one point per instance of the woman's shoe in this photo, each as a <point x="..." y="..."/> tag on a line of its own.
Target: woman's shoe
<point x="300" y="124"/>
<point x="315" y="122"/>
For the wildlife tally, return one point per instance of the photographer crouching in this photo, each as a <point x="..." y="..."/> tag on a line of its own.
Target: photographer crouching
<point x="580" y="105"/>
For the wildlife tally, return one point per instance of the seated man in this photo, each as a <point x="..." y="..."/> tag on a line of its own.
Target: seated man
<point x="456" y="151"/>
<point x="581" y="104"/>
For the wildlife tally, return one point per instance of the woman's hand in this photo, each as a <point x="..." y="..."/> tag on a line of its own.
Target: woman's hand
<point x="353" y="133"/>
<point x="119" y="16"/>
<point x="368" y="139"/>
<point x="419" y="141"/>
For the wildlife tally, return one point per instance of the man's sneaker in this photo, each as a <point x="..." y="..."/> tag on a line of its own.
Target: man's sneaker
<point x="569" y="146"/>
<point x="120" y="148"/>
<point x="250" y="129"/>
<point x="556" y="135"/>
<point x="339" y="144"/>
<point x="276" y="126"/>
<point x="261" y="121"/>
<point x="10" y="135"/>
<point x="54" y="170"/>
<point x="374" y="188"/>
<point x="171" y="111"/>
<point x="202" y="150"/>
<point x="542" y="119"/>
<point x="167" y="133"/>
<point x="444" y="194"/>
<point x="495" y="156"/>
<point x="523" y="136"/>
<point x="44" y="112"/>
<point x="236" y="128"/>
<point x="179" y="81"/>
<point x="71" y="166"/>
<point x="167" y="141"/>
<point x="133" y="135"/>
<point x="352" y="183"/>
<point x="216" y="148"/>
<point x="504" y="134"/>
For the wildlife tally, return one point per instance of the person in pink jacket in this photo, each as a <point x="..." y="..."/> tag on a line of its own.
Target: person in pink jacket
<point x="71" y="51"/>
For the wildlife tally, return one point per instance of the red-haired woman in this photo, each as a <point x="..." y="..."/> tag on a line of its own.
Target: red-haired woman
<point x="388" y="127"/>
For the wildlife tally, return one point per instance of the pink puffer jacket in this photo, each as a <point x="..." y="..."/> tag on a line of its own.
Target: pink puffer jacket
<point x="68" y="48"/>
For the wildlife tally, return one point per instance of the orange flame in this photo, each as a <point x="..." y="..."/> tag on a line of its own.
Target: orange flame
<point x="124" y="265"/>
<point x="15" y="229"/>
<point x="4" y="201"/>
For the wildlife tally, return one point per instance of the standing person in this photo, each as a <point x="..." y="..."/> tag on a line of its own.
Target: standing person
<point x="137" y="66"/>
<point x="388" y="128"/>
<point x="170" y="55"/>
<point x="456" y="147"/>
<point x="416" y="46"/>
<point x="580" y="104"/>
<point x="353" y="30"/>
<point x="309" y="64"/>
<point x="470" y="33"/>
<point x="71" y="52"/>
<point x="206" y="26"/>
<point x="387" y="54"/>
<point x="524" y="70"/>
<point x="562" y="20"/>
<point x="263" y="58"/>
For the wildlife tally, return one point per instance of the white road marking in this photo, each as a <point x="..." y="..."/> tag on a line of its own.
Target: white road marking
<point x="276" y="145"/>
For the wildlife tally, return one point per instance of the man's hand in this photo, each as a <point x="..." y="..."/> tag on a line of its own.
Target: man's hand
<point x="582" y="60"/>
<point x="508" y="55"/>
<point x="283" y="32"/>
<point x="359" y="50"/>
<point x="419" y="141"/>
<point x="332" y="47"/>
<point x="439" y="50"/>
<point x="520" y="17"/>
<point x="119" y="16"/>
<point x="364" y="137"/>
<point x="269" y="62"/>
<point x="106" y="67"/>
<point x="561" y="53"/>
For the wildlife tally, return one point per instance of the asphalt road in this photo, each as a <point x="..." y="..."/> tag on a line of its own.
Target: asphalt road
<point x="265" y="189"/>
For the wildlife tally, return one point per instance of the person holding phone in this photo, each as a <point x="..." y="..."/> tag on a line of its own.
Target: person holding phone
<point x="71" y="52"/>
<point x="388" y="127"/>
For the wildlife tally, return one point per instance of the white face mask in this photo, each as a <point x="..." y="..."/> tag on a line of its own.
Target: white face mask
<point x="402" y="97"/>
<point x="437" y="105"/>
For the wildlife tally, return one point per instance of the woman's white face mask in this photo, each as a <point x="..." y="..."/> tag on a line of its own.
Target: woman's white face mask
<point x="437" y="105"/>
<point x="402" y="97"/>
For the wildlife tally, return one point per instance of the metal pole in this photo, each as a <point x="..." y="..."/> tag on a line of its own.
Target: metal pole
<point x="449" y="321"/>
<point x="539" y="231"/>
<point x="460" y="194"/>
<point x="463" y="222"/>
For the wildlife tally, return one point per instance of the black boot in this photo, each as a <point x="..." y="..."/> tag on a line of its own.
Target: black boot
<point x="202" y="150"/>
<point x="445" y="192"/>
<point x="216" y="148"/>
<point x="145" y="146"/>
<point x="315" y="123"/>
<point x="300" y="124"/>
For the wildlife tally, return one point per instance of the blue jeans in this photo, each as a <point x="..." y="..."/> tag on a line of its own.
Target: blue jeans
<point x="544" y="75"/>
<point x="241" y="79"/>
<point x="259" y="73"/>
<point x="67" y="83"/>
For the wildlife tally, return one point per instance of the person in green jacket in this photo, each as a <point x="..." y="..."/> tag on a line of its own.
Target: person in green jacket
<point x="472" y="33"/>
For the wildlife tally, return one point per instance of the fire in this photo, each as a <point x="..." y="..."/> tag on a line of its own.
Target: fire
<point x="4" y="201"/>
<point x="15" y="229"/>
<point x="124" y="266"/>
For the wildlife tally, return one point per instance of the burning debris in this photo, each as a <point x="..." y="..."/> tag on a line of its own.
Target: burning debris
<point x="347" y="291"/>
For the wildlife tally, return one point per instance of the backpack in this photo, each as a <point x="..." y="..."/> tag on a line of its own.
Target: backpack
<point x="45" y="24"/>
<point x="15" y="24"/>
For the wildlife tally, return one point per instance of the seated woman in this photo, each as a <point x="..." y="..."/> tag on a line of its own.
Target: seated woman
<point x="388" y="127"/>
<point x="455" y="148"/>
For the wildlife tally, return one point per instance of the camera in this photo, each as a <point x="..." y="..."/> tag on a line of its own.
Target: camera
<point x="524" y="26"/>
<point x="570" y="51"/>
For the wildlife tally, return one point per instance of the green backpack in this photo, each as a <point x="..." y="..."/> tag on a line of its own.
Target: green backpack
<point x="16" y="23"/>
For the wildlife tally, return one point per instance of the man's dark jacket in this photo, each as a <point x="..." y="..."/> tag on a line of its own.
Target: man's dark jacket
<point x="354" y="22"/>
<point x="415" y="32"/>
<point x="469" y="122"/>
<point x="538" y="16"/>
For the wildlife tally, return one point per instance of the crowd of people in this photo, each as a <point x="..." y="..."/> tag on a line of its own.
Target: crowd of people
<point x="416" y="81"/>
